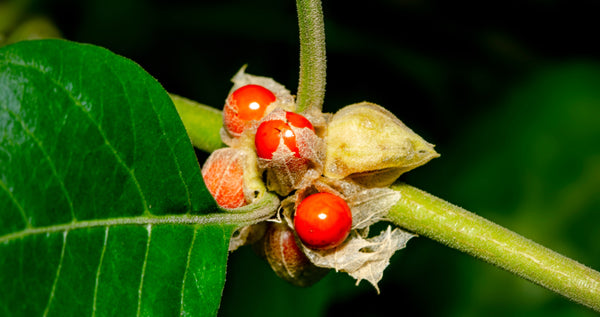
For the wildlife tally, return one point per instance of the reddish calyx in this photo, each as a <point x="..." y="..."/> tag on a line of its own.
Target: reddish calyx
<point x="224" y="177"/>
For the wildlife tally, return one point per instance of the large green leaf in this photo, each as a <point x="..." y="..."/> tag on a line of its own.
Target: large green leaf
<point x="103" y="211"/>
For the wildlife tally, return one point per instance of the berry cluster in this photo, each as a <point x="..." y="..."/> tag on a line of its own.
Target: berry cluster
<point x="322" y="220"/>
<point x="323" y="167"/>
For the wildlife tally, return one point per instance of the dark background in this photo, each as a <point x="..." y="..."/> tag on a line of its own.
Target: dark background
<point x="507" y="90"/>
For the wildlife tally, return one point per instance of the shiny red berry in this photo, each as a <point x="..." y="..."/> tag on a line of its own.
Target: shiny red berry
<point x="323" y="221"/>
<point x="246" y="104"/>
<point x="270" y="133"/>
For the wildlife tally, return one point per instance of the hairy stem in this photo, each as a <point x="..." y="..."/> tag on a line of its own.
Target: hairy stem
<point x="201" y="122"/>
<point x="439" y="220"/>
<point x="311" y="85"/>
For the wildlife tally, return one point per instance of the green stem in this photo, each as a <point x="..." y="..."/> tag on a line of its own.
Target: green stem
<point x="311" y="85"/>
<point x="34" y="28"/>
<point x="439" y="220"/>
<point x="10" y="14"/>
<point x="202" y="123"/>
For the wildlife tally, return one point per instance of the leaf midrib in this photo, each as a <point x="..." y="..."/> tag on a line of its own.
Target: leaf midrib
<point x="261" y="210"/>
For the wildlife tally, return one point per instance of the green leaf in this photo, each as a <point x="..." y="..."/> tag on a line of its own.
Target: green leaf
<point x="103" y="211"/>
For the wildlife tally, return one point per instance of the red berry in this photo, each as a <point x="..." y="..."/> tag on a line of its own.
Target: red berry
<point x="270" y="132"/>
<point x="224" y="177"/>
<point x="244" y="105"/>
<point x="323" y="221"/>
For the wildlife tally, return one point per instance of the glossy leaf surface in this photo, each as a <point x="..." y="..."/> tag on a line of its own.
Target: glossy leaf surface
<point x="103" y="211"/>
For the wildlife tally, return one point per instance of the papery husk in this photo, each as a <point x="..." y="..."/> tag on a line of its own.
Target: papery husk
<point x="368" y="205"/>
<point x="253" y="189"/>
<point x="284" y="99"/>
<point x="285" y="171"/>
<point x="318" y="119"/>
<point x="368" y="144"/>
<point x="287" y="259"/>
<point x="223" y="175"/>
<point x="247" y="235"/>
<point x="360" y="257"/>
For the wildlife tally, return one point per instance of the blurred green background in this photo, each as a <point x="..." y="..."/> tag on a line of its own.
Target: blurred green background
<point x="507" y="90"/>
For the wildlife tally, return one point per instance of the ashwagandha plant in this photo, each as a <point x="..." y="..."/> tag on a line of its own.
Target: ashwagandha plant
<point x="104" y="210"/>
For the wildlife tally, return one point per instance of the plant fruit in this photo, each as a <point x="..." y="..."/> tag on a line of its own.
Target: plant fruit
<point x="224" y="177"/>
<point x="245" y="105"/>
<point x="270" y="133"/>
<point x="287" y="259"/>
<point x="323" y="221"/>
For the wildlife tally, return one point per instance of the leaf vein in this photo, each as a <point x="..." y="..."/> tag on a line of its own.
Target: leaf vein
<point x="134" y="138"/>
<point x="143" y="272"/>
<point x="187" y="268"/>
<point x="176" y="159"/>
<point x="79" y="104"/>
<point x="58" y="270"/>
<point x="47" y="157"/>
<point x="261" y="210"/>
<point x="17" y="204"/>
<point x="100" y="263"/>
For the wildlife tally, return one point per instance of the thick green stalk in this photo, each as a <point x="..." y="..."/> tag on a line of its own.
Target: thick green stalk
<point x="311" y="85"/>
<point x="202" y="123"/>
<point x="439" y="220"/>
